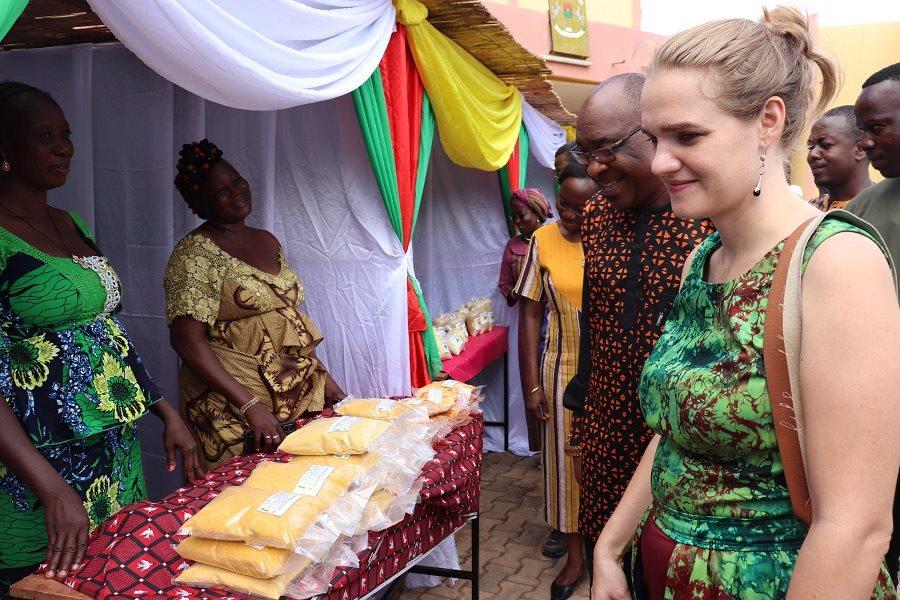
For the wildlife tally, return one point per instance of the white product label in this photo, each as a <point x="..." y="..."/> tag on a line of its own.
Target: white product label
<point x="449" y="383"/>
<point x="257" y="547"/>
<point x="342" y="424"/>
<point x="313" y="480"/>
<point x="435" y="395"/>
<point x="278" y="503"/>
<point x="386" y="405"/>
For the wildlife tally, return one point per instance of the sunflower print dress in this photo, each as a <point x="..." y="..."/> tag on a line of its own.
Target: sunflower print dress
<point x="717" y="479"/>
<point x="72" y="377"/>
<point x="258" y="333"/>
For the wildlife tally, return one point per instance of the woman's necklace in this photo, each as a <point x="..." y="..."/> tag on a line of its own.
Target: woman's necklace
<point x="59" y="244"/>
<point x="96" y="263"/>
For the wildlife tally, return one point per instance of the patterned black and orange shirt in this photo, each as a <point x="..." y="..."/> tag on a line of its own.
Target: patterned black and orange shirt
<point x="633" y="262"/>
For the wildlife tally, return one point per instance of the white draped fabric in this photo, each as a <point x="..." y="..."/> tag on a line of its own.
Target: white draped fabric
<point x="259" y="54"/>
<point x="458" y="245"/>
<point x="312" y="187"/>
<point x="544" y="134"/>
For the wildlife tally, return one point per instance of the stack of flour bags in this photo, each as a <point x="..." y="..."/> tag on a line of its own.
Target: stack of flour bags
<point x="290" y="524"/>
<point x="446" y="404"/>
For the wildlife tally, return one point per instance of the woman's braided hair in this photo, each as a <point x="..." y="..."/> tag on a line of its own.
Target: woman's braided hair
<point x="194" y="163"/>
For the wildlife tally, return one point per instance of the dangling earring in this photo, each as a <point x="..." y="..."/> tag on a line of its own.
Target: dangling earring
<point x="5" y="166"/>
<point x="762" y="171"/>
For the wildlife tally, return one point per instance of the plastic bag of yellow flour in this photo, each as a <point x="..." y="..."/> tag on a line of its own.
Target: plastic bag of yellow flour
<point x="335" y="435"/>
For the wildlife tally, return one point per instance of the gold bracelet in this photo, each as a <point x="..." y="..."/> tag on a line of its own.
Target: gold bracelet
<point x="243" y="409"/>
<point x="531" y="393"/>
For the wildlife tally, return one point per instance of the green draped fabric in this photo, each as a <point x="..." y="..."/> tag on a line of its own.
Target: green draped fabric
<point x="372" y="113"/>
<point x="507" y="183"/>
<point x="10" y="11"/>
<point x="432" y="352"/>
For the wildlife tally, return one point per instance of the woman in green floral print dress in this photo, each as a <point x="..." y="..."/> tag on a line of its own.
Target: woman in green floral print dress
<point x="723" y="105"/>
<point x="72" y="382"/>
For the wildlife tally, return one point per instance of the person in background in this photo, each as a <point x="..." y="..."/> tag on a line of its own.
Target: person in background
<point x="551" y="283"/>
<point x="232" y="302"/>
<point x="530" y="210"/>
<point x="723" y="105"/>
<point x="878" y="116"/>
<point x="73" y="384"/>
<point x="634" y="248"/>
<point x="839" y="166"/>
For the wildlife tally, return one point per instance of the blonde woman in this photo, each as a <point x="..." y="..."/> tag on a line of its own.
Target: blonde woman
<point x="724" y="105"/>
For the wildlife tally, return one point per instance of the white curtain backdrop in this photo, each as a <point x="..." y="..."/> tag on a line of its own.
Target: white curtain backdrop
<point x="458" y="245"/>
<point x="544" y="134"/>
<point x="259" y="55"/>
<point x="312" y="187"/>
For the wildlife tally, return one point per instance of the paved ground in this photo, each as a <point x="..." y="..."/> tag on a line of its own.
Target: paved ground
<point x="512" y="531"/>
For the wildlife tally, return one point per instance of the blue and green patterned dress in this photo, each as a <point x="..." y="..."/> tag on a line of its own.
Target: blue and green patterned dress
<point x="72" y="377"/>
<point x="718" y="484"/>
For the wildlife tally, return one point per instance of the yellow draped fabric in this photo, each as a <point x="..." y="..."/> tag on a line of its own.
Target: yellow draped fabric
<point x="478" y="116"/>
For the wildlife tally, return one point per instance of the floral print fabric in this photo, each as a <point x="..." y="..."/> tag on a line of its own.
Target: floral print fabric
<point x="717" y="479"/>
<point x="70" y="374"/>
<point x="257" y="332"/>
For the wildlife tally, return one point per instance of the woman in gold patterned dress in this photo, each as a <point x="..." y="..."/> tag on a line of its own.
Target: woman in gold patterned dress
<point x="232" y="303"/>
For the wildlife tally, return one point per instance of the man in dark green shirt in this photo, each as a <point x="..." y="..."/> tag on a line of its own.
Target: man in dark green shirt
<point x="878" y="115"/>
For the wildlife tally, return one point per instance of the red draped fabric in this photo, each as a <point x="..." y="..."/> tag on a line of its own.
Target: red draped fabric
<point x="403" y="92"/>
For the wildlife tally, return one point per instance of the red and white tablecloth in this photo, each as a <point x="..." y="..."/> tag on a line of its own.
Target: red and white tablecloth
<point x="133" y="556"/>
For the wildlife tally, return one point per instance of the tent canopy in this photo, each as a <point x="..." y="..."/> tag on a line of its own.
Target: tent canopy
<point x="467" y="22"/>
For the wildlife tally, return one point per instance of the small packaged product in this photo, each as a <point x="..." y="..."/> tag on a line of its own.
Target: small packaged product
<point x="375" y="408"/>
<point x="238" y="557"/>
<point x="335" y="435"/>
<point x="307" y="519"/>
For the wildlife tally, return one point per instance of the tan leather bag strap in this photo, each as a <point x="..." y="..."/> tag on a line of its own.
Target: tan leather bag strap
<point x="778" y="380"/>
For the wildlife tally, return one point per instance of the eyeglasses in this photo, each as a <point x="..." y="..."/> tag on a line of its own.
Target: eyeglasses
<point x="604" y="156"/>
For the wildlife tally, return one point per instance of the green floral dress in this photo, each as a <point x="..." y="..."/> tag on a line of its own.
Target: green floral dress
<point x="72" y="377"/>
<point x="718" y="485"/>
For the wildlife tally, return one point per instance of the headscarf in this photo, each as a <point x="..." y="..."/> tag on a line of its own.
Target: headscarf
<point x="532" y="199"/>
<point x="194" y="162"/>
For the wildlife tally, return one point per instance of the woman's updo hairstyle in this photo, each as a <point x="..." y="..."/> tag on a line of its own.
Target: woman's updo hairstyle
<point x="194" y="163"/>
<point x="753" y="61"/>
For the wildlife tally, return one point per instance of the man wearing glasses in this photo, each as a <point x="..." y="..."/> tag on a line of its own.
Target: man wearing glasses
<point x="634" y="249"/>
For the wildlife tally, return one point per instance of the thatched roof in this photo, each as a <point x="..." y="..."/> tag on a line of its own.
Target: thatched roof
<point x="467" y="22"/>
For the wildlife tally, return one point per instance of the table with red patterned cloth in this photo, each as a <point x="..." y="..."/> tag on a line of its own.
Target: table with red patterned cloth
<point x="132" y="555"/>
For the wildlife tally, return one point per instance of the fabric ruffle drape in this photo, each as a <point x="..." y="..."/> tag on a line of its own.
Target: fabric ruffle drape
<point x="545" y="135"/>
<point x="478" y="115"/>
<point x="10" y="11"/>
<point x="260" y="55"/>
<point x="398" y="128"/>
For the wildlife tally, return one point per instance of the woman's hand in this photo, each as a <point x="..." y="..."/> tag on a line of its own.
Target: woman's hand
<point x="609" y="578"/>
<point x="67" y="530"/>
<point x="177" y="439"/>
<point x="266" y="428"/>
<point x="536" y="404"/>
